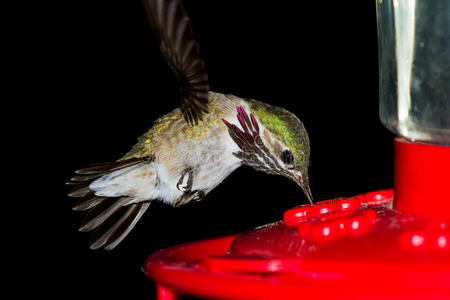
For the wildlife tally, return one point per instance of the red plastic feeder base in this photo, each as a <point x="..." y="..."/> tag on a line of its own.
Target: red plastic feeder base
<point x="338" y="249"/>
<point x="422" y="178"/>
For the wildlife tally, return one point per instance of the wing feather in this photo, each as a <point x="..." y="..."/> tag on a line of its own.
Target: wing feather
<point x="172" y="28"/>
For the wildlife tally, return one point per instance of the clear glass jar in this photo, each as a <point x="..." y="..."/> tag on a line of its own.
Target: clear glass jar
<point x="414" y="66"/>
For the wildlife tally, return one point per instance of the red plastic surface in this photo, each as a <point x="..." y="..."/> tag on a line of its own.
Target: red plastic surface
<point x="422" y="178"/>
<point x="339" y="249"/>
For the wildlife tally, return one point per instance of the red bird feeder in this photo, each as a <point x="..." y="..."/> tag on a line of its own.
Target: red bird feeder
<point x="389" y="244"/>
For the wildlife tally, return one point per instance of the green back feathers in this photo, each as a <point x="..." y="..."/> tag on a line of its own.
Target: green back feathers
<point x="288" y="129"/>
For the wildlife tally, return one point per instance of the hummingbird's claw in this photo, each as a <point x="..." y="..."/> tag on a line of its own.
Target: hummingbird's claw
<point x="198" y="196"/>
<point x="188" y="197"/>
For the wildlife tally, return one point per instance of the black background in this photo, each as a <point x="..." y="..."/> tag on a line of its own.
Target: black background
<point x="109" y="83"/>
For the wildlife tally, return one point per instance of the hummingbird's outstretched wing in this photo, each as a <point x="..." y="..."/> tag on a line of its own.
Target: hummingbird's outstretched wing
<point x="172" y="28"/>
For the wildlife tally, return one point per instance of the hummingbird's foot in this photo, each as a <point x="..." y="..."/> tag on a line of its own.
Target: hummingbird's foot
<point x="198" y="196"/>
<point x="188" y="197"/>
<point x="184" y="184"/>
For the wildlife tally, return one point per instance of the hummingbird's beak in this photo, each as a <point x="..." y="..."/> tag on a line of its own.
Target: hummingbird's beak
<point x="308" y="194"/>
<point x="305" y="189"/>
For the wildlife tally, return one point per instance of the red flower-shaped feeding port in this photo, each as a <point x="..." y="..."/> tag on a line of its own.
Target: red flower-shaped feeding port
<point x="355" y="247"/>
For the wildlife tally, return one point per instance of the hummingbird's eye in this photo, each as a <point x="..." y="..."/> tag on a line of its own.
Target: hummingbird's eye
<point x="287" y="157"/>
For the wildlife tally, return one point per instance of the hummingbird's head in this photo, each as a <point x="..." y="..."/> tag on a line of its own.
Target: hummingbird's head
<point x="274" y="141"/>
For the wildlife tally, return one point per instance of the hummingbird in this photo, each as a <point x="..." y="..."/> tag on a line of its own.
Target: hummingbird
<point x="192" y="149"/>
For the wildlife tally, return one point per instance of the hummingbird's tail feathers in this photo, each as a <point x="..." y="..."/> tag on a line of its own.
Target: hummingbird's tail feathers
<point x="112" y="220"/>
<point x="110" y="233"/>
<point x="88" y="174"/>
<point x="99" y="213"/>
<point x="111" y="211"/>
<point x="80" y="189"/>
<point x="86" y="202"/>
<point x="103" y="168"/>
